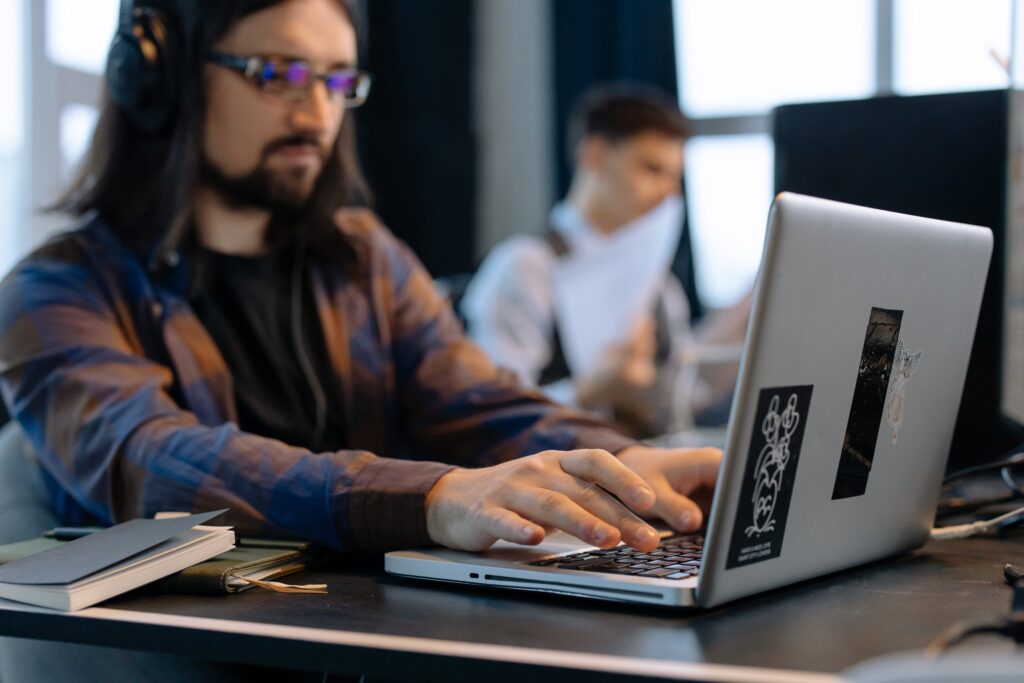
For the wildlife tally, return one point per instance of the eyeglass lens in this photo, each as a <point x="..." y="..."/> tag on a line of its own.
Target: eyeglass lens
<point x="297" y="76"/>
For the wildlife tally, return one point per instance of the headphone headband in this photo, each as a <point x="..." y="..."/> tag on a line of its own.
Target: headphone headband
<point x="125" y="16"/>
<point x="138" y="67"/>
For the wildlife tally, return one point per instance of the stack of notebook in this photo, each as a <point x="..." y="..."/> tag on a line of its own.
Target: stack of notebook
<point x="70" y="576"/>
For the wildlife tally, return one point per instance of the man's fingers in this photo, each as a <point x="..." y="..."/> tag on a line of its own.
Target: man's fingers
<point x="551" y="507"/>
<point x="597" y="501"/>
<point x="681" y="513"/>
<point x="605" y="470"/>
<point x="699" y="468"/>
<point x="508" y="526"/>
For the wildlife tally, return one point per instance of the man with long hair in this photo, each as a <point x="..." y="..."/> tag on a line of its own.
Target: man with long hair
<point x="226" y="329"/>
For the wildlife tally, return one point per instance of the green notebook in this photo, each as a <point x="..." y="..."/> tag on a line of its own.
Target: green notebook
<point x="234" y="571"/>
<point x="228" y="572"/>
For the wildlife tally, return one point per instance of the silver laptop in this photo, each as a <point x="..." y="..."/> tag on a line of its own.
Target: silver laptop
<point x="851" y="377"/>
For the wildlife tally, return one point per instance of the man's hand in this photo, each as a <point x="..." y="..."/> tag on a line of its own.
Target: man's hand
<point x="587" y="493"/>
<point x="520" y="500"/>
<point x="676" y="475"/>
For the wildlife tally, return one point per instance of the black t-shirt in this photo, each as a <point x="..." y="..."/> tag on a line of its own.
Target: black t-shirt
<point x="246" y="304"/>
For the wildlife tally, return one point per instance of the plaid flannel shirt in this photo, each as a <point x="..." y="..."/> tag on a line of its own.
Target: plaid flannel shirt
<point x="129" y="405"/>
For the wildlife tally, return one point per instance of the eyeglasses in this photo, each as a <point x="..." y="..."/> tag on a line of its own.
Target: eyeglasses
<point x="294" y="78"/>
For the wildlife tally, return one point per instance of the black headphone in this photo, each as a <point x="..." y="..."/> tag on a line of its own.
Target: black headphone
<point x="139" y="64"/>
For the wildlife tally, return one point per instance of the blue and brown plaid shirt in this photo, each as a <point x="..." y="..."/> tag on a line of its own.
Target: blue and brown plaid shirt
<point x="129" y="405"/>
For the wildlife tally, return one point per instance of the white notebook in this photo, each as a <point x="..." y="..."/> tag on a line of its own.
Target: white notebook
<point x="107" y="563"/>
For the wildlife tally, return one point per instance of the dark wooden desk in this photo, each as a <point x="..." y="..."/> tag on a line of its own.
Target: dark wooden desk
<point x="388" y="627"/>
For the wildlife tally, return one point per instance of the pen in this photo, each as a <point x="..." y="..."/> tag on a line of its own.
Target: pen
<point x="70" y="533"/>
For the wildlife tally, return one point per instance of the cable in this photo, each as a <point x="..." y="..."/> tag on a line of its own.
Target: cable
<point x="1009" y="461"/>
<point x="962" y="506"/>
<point x="306" y="367"/>
<point x="964" y="530"/>
<point x="1011" y="458"/>
<point x="1007" y="475"/>
<point x="1012" y="626"/>
<point x="959" y="632"/>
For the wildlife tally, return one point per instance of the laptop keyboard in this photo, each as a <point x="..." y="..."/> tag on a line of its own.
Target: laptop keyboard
<point x="676" y="557"/>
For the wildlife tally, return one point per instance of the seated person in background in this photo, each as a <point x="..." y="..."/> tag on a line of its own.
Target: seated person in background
<point x="223" y="329"/>
<point x="621" y="219"/>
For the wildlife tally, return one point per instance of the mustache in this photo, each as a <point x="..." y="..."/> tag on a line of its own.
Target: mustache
<point x="293" y="140"/>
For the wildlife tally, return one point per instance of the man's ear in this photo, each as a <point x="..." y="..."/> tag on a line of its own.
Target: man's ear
<point x="591" y="152"/>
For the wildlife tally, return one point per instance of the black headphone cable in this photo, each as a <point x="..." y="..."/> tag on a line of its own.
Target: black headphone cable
<point x="319" y="399"/>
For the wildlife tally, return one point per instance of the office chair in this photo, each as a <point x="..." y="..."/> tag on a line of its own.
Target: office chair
<point x="24" y="512"/>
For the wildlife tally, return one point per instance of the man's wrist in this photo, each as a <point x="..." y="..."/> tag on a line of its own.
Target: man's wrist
<point x="433" y="492"/>
<point x="387" y="503"/>
<point x="433" y="512"/>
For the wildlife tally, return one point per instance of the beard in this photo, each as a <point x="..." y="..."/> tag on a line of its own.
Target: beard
<point x="279" y="191"/>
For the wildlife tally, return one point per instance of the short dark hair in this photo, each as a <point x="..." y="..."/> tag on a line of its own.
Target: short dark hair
<point x="622" y="110"/>
<point x="142" y="183"/>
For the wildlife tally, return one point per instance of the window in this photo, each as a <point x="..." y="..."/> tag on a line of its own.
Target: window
<point x="65" y="73"/>
<point x="79" y="33"/>
<point x="746" y="56"/>
<point x="951" y="45"/>
<point x="77" y="122"/>
<point x="12" y="129"/>
<point x="729" y="189"/>
<point x="737" y="59"/>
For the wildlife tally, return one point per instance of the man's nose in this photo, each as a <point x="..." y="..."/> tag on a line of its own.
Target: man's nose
<point x="316" y="113"/>
<point x="662" y="191"/>
<point x="670" y="185"/>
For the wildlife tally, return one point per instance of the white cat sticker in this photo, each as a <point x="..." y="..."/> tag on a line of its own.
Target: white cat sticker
<point x="903" y="367"/>
<point x="777" y="429"/>
<point x="762" y="510"/>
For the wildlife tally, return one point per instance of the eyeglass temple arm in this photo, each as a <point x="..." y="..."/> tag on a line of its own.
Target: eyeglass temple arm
<point x="247" y="65"/>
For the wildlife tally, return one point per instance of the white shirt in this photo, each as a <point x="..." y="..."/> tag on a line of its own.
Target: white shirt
<point x="510" y="303"/>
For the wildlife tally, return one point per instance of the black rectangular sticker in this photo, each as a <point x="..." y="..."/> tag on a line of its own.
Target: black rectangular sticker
<point x="769" y="475"/>
<point x="868" y="403"/>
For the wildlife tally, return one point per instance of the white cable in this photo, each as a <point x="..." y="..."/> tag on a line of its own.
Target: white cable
<point x="947" y="533"/>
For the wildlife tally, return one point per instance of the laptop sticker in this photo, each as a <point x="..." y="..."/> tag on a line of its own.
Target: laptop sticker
<point x="770" y="472"/>
<point x="876" y="363"/>
<point x="902" y="370"/>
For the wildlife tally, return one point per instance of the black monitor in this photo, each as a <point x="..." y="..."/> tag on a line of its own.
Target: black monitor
<point x="942" y="156"/>
<point x="1013" y="309"/>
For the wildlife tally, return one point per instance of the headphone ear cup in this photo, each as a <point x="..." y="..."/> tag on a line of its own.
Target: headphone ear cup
<point x="137" y="73"/>
<point x="125" y="66"/>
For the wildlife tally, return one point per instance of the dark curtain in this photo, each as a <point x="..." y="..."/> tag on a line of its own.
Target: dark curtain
<point x="415" y="132"/>
<point x="598" y="41"/>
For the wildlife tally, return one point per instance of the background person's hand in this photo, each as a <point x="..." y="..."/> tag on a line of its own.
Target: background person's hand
<point x="518" y="501"/>
<point x="683" y="480"/>
<point x="624" y="371"/>
<point x="624" y="377"/>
